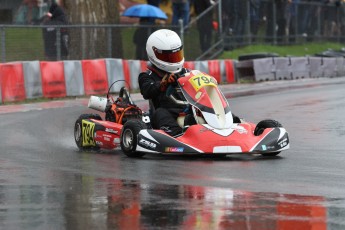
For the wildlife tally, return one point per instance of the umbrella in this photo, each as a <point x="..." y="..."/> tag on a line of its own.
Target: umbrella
<point x="144" y="11"/>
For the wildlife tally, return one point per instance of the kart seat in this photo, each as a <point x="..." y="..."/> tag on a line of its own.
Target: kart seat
<point x="188" y="120"/>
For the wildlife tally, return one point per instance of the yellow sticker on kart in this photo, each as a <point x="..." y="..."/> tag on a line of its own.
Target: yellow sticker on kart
<point x="88" y="130"/>
<point x="201" y="80"/>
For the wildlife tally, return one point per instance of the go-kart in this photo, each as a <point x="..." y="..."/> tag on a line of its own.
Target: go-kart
<point x="214" y="130"/>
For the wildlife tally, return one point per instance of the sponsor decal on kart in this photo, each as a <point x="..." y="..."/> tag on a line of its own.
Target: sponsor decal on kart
<point x="109" y="130"/>
<point x="148" y="144"/>
<point x="88" y="129"/>
<point x="240" y="129"/>
<point x="265" y="147"/>
<point x="200" y="80"/>
<point x="283" y="143"/>
<point x="174" y="149"/>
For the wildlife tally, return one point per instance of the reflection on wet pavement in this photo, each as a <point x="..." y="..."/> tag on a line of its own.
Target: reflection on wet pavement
<point x="117" y="204"/>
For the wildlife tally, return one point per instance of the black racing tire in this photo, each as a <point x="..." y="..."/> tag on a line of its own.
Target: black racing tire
<point x="330" y="53"/>
<point x="261" y="126"/>
<point x="129" y="138"/>
<point x="78" y="135"/>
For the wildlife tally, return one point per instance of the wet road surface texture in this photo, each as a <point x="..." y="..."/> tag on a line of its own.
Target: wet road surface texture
<point x="47" y="183"/>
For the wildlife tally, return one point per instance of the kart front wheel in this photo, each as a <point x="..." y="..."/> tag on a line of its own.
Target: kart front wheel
<point x="261" y="126"/>
<point x="129" y="137"/>
<point x="78" y="131"/>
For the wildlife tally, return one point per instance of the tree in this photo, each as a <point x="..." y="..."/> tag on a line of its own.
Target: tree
<point x="93" y="40"/>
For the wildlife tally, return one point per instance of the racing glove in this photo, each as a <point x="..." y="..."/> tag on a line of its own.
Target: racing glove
<point x="168" y="79"/>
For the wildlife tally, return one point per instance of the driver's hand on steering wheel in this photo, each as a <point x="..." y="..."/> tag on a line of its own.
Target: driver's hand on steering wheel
<point x="168" y="79"/>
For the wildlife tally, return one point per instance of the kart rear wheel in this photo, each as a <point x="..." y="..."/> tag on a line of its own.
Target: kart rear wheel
<point x="261" y="126"/>
<point x="78" y="134"/>
<point x="129" y="137"/>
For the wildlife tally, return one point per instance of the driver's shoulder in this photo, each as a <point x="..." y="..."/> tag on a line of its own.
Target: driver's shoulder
<point x="184" y="70"/>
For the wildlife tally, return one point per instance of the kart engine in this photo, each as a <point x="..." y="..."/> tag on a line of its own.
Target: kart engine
<point x="121" y="111"/>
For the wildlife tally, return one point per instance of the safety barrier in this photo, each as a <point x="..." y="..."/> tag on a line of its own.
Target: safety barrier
<point x="53" y="79"/>
<point x="40" y="79"/>
<point x="287" y="68"/>
<point x="34" y="79"/>
<point x="12" y="82"/>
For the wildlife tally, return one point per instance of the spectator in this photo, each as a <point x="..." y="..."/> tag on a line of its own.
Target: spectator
<point x="239" y="12"/>
<point x="154" y="2"/>
<point x="281" y="6"/>
<point x="341" y="19"/>
<point x="309" y="13"/>
<point x="180" y="10"/>
<point x="140" y="37"/>
<point x="55" y="16"/>
<point x="330" y="12"/>
<point x="280" y="23"/>
<point x="28" y="13"/>
<point x="291" y="13"/>
<point x="254" y="17"/>
<point x="226" y="16"/>
<point x="204" y="23"/>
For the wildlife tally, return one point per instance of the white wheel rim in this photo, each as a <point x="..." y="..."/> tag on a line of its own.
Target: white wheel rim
<point x="128" y="138"/>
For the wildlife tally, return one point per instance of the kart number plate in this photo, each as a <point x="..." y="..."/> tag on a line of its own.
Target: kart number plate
<point x="88" y="130"/>
<point x="201" y="80"/>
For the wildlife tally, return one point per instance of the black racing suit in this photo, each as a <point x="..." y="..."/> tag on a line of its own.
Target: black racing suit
<point x="165" y="112"/>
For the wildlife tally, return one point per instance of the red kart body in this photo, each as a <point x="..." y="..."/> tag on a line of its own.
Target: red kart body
<point x="216" y="130"/>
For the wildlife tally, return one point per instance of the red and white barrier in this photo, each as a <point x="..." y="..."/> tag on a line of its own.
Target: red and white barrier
<point x="222" y="70"/>
<point x="74" y="78"/>
<point x="95" y="76"/>
<point x="135" y="68"/>
<point x="35" y="79"/>
<point x="12" y="82"/>
<point x="228" y="71"/>
<point x="53" y="79"/>
<point x="115" y="72"/>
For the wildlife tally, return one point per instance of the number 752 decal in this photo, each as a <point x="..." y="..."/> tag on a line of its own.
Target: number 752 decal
<point x="202" y="80"/>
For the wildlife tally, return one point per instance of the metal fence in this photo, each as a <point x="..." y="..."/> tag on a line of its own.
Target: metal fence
<point x="33" y="39"/>
<point x="228" y="24"/>
<point x="282" y="22"/>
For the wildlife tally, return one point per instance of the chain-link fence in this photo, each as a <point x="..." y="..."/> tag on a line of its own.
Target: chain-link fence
<point x="228" y="24"/>
<point x="35" y="39"/>
<point x="282" y="22"/>
<point x="63" y="42"/>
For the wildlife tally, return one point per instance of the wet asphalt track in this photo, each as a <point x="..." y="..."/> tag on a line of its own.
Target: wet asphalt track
<point x="46" y="183"/>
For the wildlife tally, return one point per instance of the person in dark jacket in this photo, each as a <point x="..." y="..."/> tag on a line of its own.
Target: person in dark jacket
<point x="140" y="37"/>
<point x="165" y="53"/>
<point x="55" y="16"/>
<point x="180" y="9"/>
<point x="204" y="23"/>
<point x="154" y="2"/>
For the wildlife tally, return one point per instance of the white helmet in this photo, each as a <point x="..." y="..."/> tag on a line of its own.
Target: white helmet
<point x="165" y="50"/>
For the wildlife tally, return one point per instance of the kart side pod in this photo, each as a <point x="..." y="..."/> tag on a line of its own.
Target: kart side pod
<point x="97" y="103"/>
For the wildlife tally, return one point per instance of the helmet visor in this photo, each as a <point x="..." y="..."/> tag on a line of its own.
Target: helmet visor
<point x="171" y="56"/>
